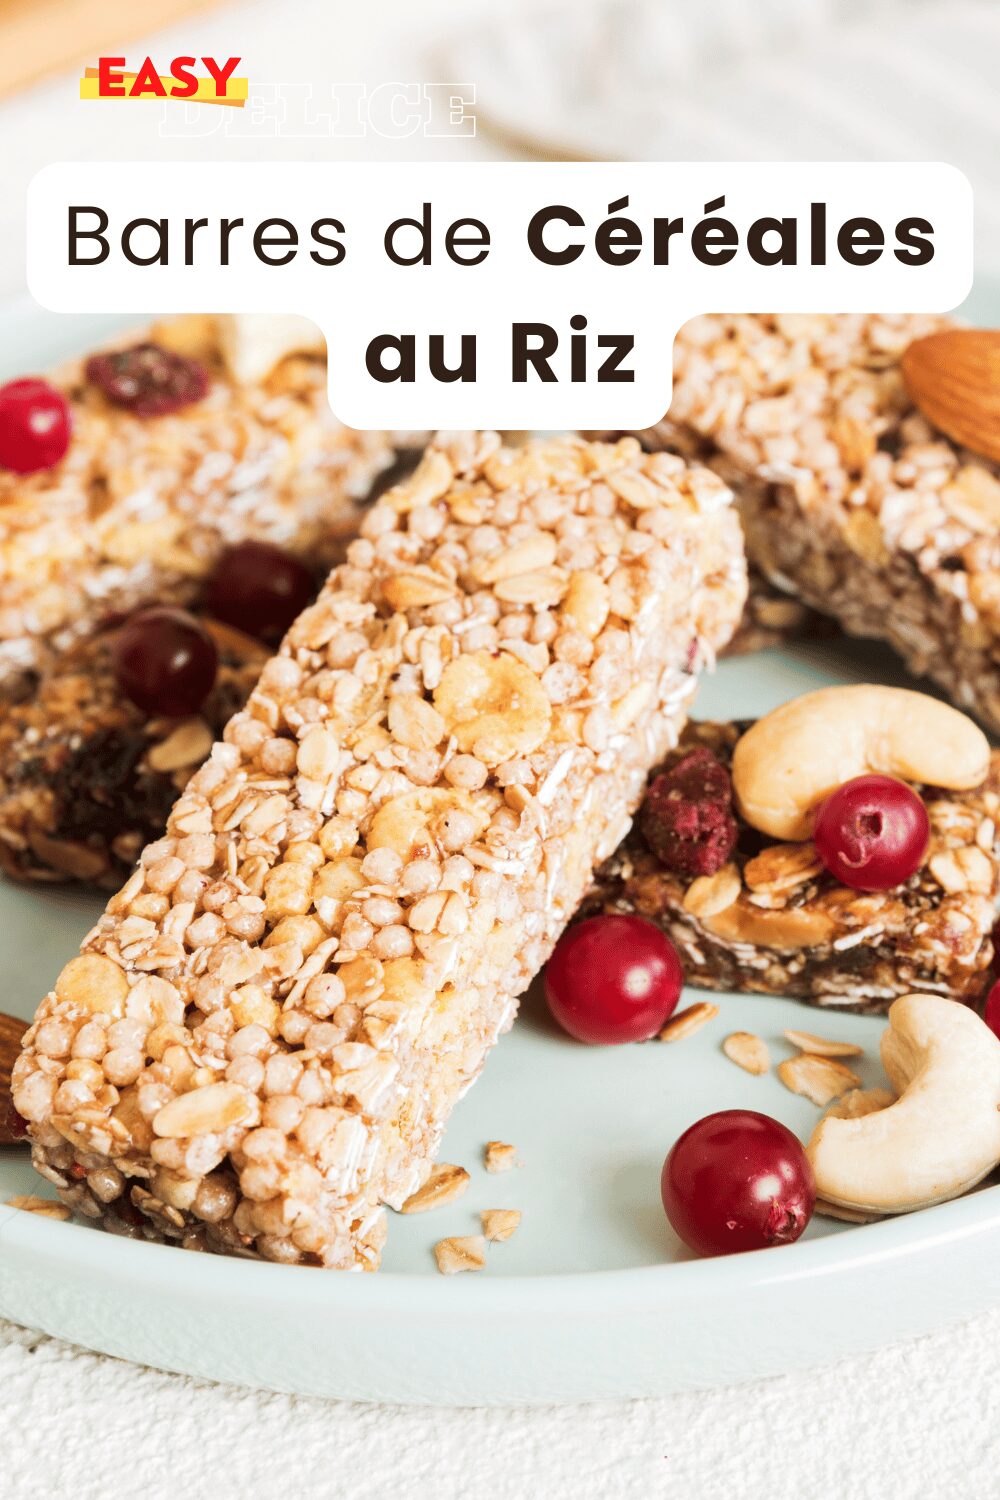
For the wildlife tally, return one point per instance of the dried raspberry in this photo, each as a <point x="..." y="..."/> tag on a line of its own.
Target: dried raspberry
<point x="147" y="379"/>
<point x="687" y="818"/>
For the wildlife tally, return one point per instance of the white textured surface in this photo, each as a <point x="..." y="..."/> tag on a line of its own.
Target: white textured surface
<point x="913" y="1423"/>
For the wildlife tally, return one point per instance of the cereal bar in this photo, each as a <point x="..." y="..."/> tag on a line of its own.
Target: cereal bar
<point x="771" y="919"/>
<point x="850" y="499"/>
<point x="182" y="442"/>
<point x="262" y="1038"/>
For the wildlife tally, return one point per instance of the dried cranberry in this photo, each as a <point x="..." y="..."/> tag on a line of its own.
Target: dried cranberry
<point x="148" y="379"/>
<point x="77" y="1171"/>
<point x="14" y="1125"/>
<point x="687" y="816"/>
<point x="127" y="1211"/>
<point x="165" y="661"/>
<point x="613" y="979"/>
<point x="737" y="1180"/>
<point x="872" y="833"/>
<point x="259" y="588"/>
<point x="991" y="1010"/>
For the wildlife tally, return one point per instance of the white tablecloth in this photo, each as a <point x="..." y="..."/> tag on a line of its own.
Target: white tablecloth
<point x="917" y="1420"/>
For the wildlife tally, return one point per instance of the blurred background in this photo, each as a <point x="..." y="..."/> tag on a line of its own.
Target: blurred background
<point x="658" y="79"/>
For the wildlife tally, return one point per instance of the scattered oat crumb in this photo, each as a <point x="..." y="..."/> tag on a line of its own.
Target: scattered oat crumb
<point x="463" y="1252"/>
<point x="820" y="1046"/>
<point x="444" y="1184"/>
<point x="500" y="1223"/>
<point x="747" y="1051"/>
<point x="46" y="1207"/>
<point x="499" y="1157"/>
<point x="849" y="1215"/>
<point x="820" y="1079"/>
<point x="687" y="1021"/>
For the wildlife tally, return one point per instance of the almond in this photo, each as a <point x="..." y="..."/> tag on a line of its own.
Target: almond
<point x="747" y="1051"/>
<point x="708" y="895"/>
<point x="821" y="1079"/>
<point x="954" y="378"/>
<point x="47" y="1208"/>
<point x="444" y="1184"/>
<point x="500" y="1223"/>
<point x="463" y="1252"/>
<point x="686" y="1022"/>
<point x="202" y="1111"/>
<point x="187" y="745"/>
<point x="782" y="928"/>
<point x="821" y="1046"/>
<point x="499" y="1156"/>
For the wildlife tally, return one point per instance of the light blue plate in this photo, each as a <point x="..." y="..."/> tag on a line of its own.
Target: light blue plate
<point x="593" y="1296"/>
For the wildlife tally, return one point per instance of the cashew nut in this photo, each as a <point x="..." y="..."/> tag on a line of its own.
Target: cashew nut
<point x="792" y="758"/>
<point x="940" y="1137"/>
<point x="254" y="343"/>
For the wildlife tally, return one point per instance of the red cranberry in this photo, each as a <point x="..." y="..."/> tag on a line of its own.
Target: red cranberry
<point x="165" y="661"/>
<point x="259" y="588"/>
<point x="737" y="1180"/>
<point x="991" y="1010"/>
<point x="77" y="1171"/>
<point x="872" y="833"/>
<point x="15" y="1126"/>
<point x="613" y="979"/>
<point x="147" y="379"/>
<point x="126" y="1210"/>
<point x="687" y="816"/>
<point x="34" y="426"/>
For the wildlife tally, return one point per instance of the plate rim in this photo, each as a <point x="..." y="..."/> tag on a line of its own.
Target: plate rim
<point x="620" y="1289"/>
<point x="53" y="1247"/>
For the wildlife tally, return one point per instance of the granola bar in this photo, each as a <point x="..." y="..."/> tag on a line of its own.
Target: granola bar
<point x="773" y="617"/>
<point x="141" y="506"/>
<point x="87" y="778"/>
<point x="850" y="500"/>
<point x="262" y="1038"/>
<point x="772" y="920"/>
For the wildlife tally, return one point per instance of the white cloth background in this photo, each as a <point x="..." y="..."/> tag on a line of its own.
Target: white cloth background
<point x="917" y="1420"/>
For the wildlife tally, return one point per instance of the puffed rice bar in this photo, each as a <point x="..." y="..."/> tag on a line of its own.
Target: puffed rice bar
<point x="139" y="508"/>
<point x="263" y="1037"/>
<point x="850" y="500"/>
<point x="774" y="921"/>
<point x="87" y="778"/>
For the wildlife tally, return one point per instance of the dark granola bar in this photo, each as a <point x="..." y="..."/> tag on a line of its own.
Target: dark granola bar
<point x="87" y="778"/>
<point x="773" y="921"/>
<point x="850" y="499"/>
